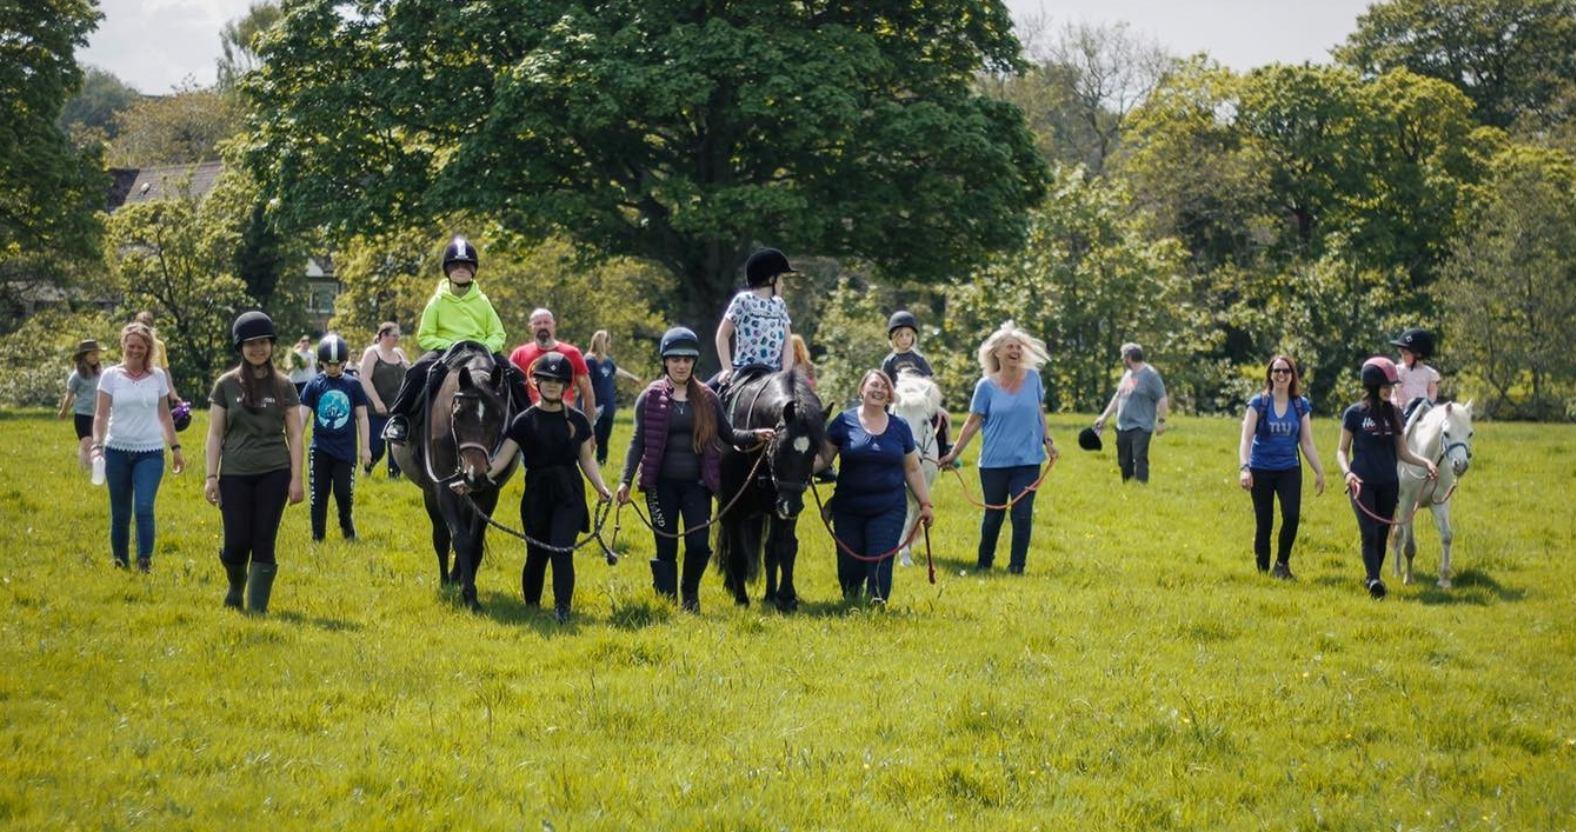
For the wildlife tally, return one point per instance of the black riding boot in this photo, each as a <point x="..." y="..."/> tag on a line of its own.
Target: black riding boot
<point x="236" y="573"/>
<point x="664" y="578"/>
<point x="694" y="570"/>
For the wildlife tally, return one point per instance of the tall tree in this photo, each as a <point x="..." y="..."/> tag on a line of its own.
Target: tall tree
<point x="682" y="133"/>
<point x="183" y="127"/>
<point x="49" y="189"/>
<point x="238" y="41"/>
<point x="1511" y="57"/>
<point x="90" y="114"/>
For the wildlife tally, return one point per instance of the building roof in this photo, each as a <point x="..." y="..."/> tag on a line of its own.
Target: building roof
<point x="164" y="181"/>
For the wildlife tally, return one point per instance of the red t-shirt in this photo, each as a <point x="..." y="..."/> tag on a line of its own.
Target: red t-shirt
<point x="526" y="354"/>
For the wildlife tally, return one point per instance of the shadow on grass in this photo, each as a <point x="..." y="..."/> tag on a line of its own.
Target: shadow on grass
<point x="1472" y="586"/>
<point x="506" y="608"/>
<point x="332" y="625"/>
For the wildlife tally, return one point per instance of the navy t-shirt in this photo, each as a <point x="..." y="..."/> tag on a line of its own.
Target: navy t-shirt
<point x="870" y="469"/>
<point x="1373" y="441"/>
<point x="603" y="373"/>
<point x="897" y="362"/>
<point x="1275" y="439"/>
<point x="333" y="402"/>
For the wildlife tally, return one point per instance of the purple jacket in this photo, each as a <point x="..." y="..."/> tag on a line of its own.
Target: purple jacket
<point x="654" y="430"/>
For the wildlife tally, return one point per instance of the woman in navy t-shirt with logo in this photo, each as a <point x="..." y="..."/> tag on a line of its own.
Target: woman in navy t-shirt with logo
<point x="1275" y="426"/>
<point x="869" y="506"/>
<point x="1371" y="442"/>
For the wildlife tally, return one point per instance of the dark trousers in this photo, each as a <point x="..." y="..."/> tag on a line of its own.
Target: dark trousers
<point x="669" y="501"/>
<point x="604" y="433"/>
<point x="1132" y="453"/>
<point x="252" y="506"/>
<point x="998" y="486"/>
<point x="133" y="480"/>
<point x="377" y="444"/>
<point x="1268" y="485"/>
<point x="324" y="472"/>
<point x="557" y="528"/>
<point x="1379" y="498"/>
<point x="869" y="535"/>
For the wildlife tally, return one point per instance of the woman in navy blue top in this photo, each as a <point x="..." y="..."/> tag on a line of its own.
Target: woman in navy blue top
<point x="604" y="375"/>
<point x="869" y="506"/>
<point x="1275" y="425"/>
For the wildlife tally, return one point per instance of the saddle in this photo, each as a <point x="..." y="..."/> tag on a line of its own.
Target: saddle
<point x="1413" y="413"/>
<point x="728" y="391"/>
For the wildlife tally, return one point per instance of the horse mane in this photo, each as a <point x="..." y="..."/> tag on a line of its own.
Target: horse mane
<point x="913" y="388"/>
<point x="795" y="386"/>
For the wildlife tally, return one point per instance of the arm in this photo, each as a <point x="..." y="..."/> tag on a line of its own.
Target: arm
<point x="368" y="364"/>
<point x="364" y="435"/>
<point x="1311" y="454"/>
<point x="1250" y="425"/>
<point x="823" y="460"/>
<point x="101" y="407"/>
<point x="585" y="395"/>
<point x="1405" y="454"/>
<point x="787" y="349"/>
<point x="503" y="459"/>
<point x="744" y="440"/>
<point x="1050" y="444"/>
<point x="427" y="331"/>
<point x="593" y="471"/>
<point x="916" y="483"/>
<point x="971" y="425"/>
<point x="494" y="336"/>
<point x="620" y="372"/>
<point x="212" y="447"/>
<point x="637" y="449"/>
<point x="177" y="459"/>
<point x="293" y="431"/>
<point x="1099" y="422"/>
<point x="1343" y="458"/>
<point x="1162" y="408"/>
<point x="65" y="403"/>
<point x="724" y="346"/>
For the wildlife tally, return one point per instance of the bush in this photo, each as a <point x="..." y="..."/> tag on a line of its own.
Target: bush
<point x="36" y="358"/>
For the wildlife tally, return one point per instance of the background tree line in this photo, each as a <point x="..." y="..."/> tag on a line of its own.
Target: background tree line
<point x="618" y="166"/>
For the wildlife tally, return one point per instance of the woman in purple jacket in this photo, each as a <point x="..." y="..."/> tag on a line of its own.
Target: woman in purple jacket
<point x="679" y="425"/>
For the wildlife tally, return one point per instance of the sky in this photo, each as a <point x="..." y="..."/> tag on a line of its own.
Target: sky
<point x="155" y="45"/>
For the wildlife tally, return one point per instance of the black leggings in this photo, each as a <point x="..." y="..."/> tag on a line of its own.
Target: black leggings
<point x="1379" y="498"/>
<point x="668" y="502"/>
<point x="558" y="528"/>
<point x="252" y="506"/>
<point x="1267" y="485"/>
<point x="604" y="434"/>
<point x="325" y="472"/>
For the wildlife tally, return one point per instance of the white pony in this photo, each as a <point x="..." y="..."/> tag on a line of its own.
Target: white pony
<point x="916" y="400"/>
<point x="1440" y="433"/>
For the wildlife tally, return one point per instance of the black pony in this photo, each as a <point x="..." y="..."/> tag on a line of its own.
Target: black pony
<point x="770" y="504"/>
<point x="465" y="422"/>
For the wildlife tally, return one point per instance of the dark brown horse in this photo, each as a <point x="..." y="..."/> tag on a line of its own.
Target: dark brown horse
<point x="768" y="510"/>
<point x="465" y="422"/>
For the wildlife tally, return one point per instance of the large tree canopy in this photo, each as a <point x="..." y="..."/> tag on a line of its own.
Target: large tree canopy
<point x="48" y="189"/>
<point x="678" y="132"/>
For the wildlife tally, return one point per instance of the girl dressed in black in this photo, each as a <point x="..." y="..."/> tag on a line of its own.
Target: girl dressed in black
<point x="556" y="445"/>
<point x="1371" y="441"/>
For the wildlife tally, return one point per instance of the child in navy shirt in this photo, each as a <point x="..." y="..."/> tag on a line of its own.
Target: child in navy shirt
<point x="338" y="407"/>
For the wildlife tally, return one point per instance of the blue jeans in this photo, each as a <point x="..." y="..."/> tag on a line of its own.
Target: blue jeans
<point x="999" y="486"/>
<point x="871" y="535"/>
<point x="133" y="481"/>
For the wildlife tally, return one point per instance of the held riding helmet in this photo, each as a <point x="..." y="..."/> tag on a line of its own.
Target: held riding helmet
<point x="900" y="319"/>
<point x="250" y="326"/>
<point x="332" y="350"/>
<point x="1379" y="371"/>
<point x="1418" y="341"/>
<point x="181" y="415"/>
<point x="459" y="251"/>
<point x="552" y="367"/>
<point x="1089" y="440"/>
<point x="680" y="342"/>
<point x="764" y="266"/>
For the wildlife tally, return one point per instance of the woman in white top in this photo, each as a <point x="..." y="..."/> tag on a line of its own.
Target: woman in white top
<point x="301" y="363"/>
<point x="131" y="426"/>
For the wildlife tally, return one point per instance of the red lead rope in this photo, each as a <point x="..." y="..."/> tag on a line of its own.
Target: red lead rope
<point x="888" y="554"/>
<point x="1354" y="492"/>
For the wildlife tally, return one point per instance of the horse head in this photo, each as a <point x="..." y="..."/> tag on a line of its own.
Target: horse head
<point x="791" y="455"/>
<point x="917" y="400"/>
<point x="1455" y="437"/>
<point x="477" y="419"/>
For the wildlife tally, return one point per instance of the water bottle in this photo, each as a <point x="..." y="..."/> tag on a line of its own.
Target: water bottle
<point x="98" y="469"/>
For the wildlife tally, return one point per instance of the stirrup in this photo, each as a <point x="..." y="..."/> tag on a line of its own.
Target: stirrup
<point x="396" y="430"/>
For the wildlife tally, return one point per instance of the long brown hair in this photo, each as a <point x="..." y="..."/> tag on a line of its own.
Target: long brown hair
<point x="1269" y="376"/>
<point x="251" y="396"/>
<point x="86" y="370"/>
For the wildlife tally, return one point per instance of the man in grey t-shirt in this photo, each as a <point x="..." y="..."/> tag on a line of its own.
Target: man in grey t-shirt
<point x="1140" y="404"/>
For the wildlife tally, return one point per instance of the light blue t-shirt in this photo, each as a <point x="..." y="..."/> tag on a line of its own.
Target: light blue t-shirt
<point x="1014" y="429"/>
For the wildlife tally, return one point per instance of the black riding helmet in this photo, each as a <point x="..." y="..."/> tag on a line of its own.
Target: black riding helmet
<point x="900" y="319"/>
<point x="553" y="367"/>
<point x="764" y="266"/>
<point x="460" y="250"/>
<point x="333" y="350"/>
<point x="1418" y="340"/>
<point x="252" y="325"/>
<point x="679" y="342"/>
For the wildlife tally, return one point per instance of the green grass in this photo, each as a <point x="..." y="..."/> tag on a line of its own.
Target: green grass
<point x="1141" y="676"/>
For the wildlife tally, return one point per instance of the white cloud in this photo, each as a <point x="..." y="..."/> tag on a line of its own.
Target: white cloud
<point x="154" y="44"/>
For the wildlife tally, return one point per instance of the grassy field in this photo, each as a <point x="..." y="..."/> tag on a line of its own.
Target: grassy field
<point x="1141" y="676"/>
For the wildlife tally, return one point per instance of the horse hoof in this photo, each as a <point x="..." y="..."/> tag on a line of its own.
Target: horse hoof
<point x="787" y="604"/>
<point x="1407" y="580"/>
<point x="1444" y="583"/>
<point x="905" y="559"/>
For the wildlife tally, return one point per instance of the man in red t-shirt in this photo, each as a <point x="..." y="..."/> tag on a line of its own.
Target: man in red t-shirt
<point x="545" y="330"/>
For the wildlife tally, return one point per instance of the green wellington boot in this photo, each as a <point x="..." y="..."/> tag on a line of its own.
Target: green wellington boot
<point x="260" y="585"/>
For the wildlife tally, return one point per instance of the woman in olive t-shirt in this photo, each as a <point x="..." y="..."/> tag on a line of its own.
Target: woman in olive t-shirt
<point x="254" y="460"/>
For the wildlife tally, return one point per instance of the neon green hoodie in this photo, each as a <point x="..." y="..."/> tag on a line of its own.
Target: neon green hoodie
<point x="449" y="318"/>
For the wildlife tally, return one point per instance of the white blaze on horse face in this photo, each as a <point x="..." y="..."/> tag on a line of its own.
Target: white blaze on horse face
<point x="801" y="444"/>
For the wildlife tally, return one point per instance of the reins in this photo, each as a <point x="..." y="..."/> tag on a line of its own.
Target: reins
<point x="930" y="561"/>
<point x="1353" y="494"/>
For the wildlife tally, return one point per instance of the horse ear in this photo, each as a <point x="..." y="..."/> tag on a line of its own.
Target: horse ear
<point x="1449" y="408"/>
<point x="1468" y="406"/>
<point x="788" y="411"/>
<point x="496" y="379"/>
<point x="466" y="382"/>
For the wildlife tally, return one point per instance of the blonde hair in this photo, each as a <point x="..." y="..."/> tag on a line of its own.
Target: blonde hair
<point x="138" y="330"/>
<point x="1035" y="355"/>
<point x="599" y="341"/>
<point x="878" y="373"/>
<point x="801" y="352"/>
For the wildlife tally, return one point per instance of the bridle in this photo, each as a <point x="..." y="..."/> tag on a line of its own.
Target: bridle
<point x="459" y="446"/>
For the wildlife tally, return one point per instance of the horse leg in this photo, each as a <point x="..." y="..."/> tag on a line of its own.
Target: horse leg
<point x="733" y="561"/>
<point x="441" y="539"/>
<point x="769" y="558"/>
<point x="786" y="543"/>
<point x="1442" y="522"/>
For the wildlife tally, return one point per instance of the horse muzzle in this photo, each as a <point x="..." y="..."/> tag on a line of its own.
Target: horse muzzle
<point x="789" y="506"/>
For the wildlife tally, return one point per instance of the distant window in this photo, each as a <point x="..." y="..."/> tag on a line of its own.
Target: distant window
<point x="322" y="300"/>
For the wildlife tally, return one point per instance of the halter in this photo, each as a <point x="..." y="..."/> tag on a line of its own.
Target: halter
<point x="459" y="471"/>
